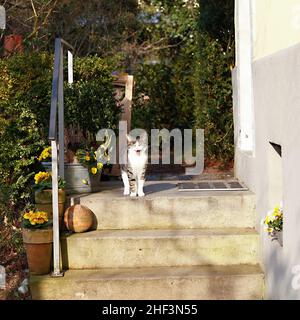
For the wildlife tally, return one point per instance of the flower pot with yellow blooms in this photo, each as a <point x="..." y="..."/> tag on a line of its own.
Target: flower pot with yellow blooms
<point x="87" y="174"/>
<point x="84" y="174"/>
<point x="274" y="224"/>
<point x="38" y="237"/>
<point x="43" y="194"/>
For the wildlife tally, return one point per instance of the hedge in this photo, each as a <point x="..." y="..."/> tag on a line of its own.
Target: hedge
<point x="25" y="94"/>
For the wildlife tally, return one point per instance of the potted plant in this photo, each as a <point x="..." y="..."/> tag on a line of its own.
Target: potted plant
<point x="92" y="174"/>
<point x="274" y="224"/>
<point x="43" y="194"/>
<point x="38" y="237"/>
<point x="83" y="175"/>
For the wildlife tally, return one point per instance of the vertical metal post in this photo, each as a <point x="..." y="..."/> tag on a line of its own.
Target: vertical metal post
<point x="61" y="126"/>
<point x="70" y="67"/>
<point x="56" y="244"/>
<point x="57" y="144"/>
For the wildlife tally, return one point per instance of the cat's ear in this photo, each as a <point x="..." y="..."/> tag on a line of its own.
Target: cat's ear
<point x="129" y="138"/>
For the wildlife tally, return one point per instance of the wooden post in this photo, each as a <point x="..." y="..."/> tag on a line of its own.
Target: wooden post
<point x="128" y="101"/>
<point x="126" y="82"/>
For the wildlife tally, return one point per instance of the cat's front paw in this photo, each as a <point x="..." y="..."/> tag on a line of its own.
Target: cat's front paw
<point x="132" y="194"/>
<point x="126" y="192"/>
<point x="141" y="194"/>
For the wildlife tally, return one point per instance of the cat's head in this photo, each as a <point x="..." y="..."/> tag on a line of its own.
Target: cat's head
<point x="138" y="144"/>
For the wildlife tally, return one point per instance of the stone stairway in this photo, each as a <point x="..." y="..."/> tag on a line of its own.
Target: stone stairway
<point x="168" y="245"/>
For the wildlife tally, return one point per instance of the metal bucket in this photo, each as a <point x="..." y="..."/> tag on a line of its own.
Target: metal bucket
<point x="75" y="174"/>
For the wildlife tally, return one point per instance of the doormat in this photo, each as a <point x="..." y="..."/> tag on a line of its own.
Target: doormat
<point x="212" y="186"/>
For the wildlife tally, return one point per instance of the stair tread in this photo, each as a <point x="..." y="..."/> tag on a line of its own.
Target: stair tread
<point x="158" y="233"/>
<point x="155" y="273"/>
<point x="118" y="195"/>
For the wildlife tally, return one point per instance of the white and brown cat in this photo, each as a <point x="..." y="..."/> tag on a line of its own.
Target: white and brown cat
<point x="133" y="174"/>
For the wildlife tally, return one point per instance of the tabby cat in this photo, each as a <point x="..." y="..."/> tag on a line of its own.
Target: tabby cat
<point x="133" y="174"/>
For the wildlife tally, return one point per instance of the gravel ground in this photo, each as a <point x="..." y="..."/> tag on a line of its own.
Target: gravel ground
<point x="13" y="259"/>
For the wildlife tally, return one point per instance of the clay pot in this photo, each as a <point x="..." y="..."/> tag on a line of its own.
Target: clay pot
<point x="13" y="44"/>
<point x="38" y="245"/>
<point x="78" y="218"/>
<point x="43" y="201"/>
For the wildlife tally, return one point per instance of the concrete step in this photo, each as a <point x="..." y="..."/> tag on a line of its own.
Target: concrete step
<point x="164" y="207"/>
<point x="148" y="248"/>
<point x="244" y="282"/>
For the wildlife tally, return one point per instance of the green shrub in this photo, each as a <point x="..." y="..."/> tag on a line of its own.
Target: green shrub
<point x="25" y="93"/>
<point x="24" y="106"/>
<point x="213" y="89"/>
<point x="164" y="96"/>
<point x="169" y="83"/>
<point x="154" y="103"/>
<point x="90" y="101"/>
<point x="214" y="110"/>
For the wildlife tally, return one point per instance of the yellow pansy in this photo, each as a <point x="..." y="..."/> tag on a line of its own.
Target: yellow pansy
<point x="46" y="153"/>
<point x="41" y="176"/>
<point x="267" y="219"/>
<point x="278" y="215"/>
<point x="87" y="158"/>
<point x="27" y="215"/>
<point x="94" y="170"/>
<point x="39" y="217"/>
<point x="99" y="166"/>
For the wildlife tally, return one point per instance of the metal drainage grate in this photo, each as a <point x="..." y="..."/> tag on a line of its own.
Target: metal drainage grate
<point x="212" y="186"/>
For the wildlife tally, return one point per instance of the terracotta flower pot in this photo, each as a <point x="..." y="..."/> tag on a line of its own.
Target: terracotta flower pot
<point x="38" y="245"/>
<point x="13" y="44"/>
<point x="43" y="201"/>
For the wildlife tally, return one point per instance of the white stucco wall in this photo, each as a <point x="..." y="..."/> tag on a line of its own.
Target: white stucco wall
<point x="276" y="26"/>
<point x="276" y="104"/>
<point x="276" y="81"/>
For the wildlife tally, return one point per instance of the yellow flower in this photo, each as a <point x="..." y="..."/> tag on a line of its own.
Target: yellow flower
<point x="84" y="181"/>
<point x="41" y="176"/>
<point x="39" y="217"/>
<point x="87" y="158"/>
<point x="46" y="153"/>
<point x="99" y="166"/>
<point x="94" y="170"/>
<point x="27" y="215"/>
<point x="278" y="214"/>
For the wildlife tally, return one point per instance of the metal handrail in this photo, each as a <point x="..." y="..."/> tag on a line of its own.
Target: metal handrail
<point x="59" y="43"/>
<point x="57" y="149"/>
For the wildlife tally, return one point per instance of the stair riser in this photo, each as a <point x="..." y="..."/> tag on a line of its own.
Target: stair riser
<point x="245" y="287"/>
<point x="236" y="211"/>
<point x="93" y="253"/>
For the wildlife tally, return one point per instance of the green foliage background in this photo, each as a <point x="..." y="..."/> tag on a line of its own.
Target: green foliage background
<point x="187" y="78"/>
<point x="213" y="90"/>
<point x="25" y="92"/>
<point x="166" y="73"/>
